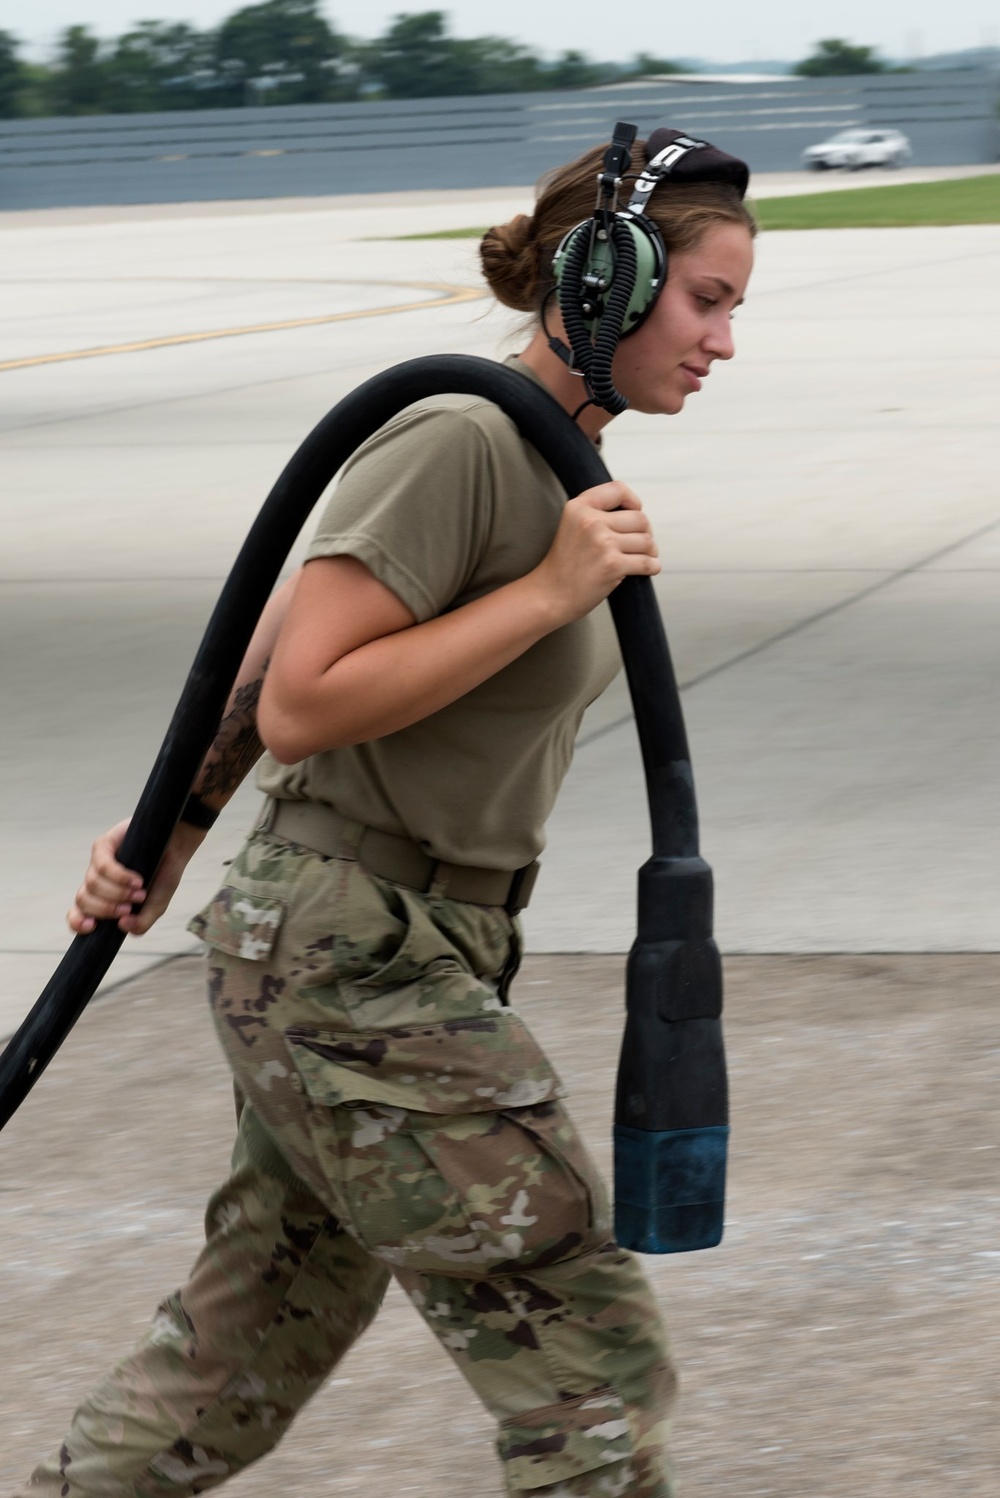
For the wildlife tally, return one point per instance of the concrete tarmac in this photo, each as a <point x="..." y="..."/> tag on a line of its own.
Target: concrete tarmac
<point x="842" y="1340"/>
<point x="827" y="510"/>
<point x="828" y="513"/>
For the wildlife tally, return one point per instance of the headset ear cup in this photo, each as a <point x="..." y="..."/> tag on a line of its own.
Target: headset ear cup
<point x="650" y="269"/>
<point x="569" y="267"/>
<point x="608" y="274"/>
<point x="569" y="241"/>
<point x="579" y="256"/>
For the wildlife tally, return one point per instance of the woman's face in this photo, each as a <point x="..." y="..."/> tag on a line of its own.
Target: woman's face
<point x="666" y="360"/>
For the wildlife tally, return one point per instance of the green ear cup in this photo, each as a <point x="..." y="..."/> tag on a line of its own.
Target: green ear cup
<point x="650" y="272"/>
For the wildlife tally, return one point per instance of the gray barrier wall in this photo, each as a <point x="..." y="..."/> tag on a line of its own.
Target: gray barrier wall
<point x="489" y="141"/>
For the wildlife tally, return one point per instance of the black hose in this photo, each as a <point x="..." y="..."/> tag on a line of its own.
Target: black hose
<point x="675" y="867"/>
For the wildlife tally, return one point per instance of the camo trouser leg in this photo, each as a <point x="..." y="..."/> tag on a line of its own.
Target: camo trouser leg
<point x="572" y="1362"/>
<point x="275" y="1299"/>
<point x="365" y="1026"/>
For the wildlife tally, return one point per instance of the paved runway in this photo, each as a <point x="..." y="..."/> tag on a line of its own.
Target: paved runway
<point x="841" y="1340"/>
<point x="827" y="509"/>
<point x="829" y="515"/>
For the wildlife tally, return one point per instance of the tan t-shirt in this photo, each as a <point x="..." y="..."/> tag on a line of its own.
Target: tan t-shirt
<point x="443" y="504"/>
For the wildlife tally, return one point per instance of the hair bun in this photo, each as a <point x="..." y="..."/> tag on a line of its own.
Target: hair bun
<point x="509" y="254"/>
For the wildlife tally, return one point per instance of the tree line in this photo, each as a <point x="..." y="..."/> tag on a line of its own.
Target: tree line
<point x="281" y="52"/>
<point x="286" y="52"/>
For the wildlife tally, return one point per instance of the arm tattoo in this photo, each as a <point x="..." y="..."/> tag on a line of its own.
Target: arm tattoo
<point x="236" y="747"/>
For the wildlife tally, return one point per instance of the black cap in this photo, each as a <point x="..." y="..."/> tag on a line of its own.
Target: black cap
<point x="707" y="164"/>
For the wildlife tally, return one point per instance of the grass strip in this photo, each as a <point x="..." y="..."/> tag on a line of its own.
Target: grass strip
<point x="900" y="205"/>
<point x="446" y="234"/>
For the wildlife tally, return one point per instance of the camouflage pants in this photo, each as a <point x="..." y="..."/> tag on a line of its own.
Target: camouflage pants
<point x="397" y="1118"/>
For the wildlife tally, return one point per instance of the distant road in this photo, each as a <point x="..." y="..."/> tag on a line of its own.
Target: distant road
<point x="491" y="141"/>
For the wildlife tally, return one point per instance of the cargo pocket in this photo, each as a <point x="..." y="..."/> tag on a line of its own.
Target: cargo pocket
<point x="240" y="930"/>
<point x="419" y="975"/>
<point x="440" y="1143"/>
<point x="475" y="1064"/>
<point x="587" y="1437"/>
<point x="240" y="924"/>
<point x="557" y="1141"/>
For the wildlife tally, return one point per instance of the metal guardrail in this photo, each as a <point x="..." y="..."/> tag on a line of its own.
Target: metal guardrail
<point x="490" y="141"/>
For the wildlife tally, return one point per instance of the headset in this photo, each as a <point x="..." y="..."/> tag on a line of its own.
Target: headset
<point x="610" y="269"/>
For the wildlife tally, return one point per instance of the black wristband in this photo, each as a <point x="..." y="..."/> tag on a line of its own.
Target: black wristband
<point x="197" y="814"/>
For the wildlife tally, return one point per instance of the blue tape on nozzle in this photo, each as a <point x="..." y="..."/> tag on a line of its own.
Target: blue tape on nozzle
<point x="670" y="1188"/>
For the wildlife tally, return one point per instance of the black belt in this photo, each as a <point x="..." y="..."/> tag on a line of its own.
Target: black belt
<point x="398" y="859"/>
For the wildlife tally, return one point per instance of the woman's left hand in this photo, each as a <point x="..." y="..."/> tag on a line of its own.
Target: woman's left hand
<point x="110" y="891"/>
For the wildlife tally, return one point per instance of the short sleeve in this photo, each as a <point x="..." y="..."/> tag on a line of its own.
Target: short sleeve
<point x="415" y="505"/>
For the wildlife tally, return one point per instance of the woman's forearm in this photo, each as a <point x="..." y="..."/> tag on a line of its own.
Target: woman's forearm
<point x="388" y="683"/>
<point x="237" y="746"/>
<point x="350" y="664"/>
<point x="109" y="890"/>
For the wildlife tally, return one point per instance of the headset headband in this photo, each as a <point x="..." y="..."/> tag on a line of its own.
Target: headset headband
<point x="685" y="159"/>
<point x="659" y="167"/>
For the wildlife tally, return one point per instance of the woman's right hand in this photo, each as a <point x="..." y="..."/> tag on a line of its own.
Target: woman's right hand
<point x="604" y="535"/>
<point x="109" y="890"/>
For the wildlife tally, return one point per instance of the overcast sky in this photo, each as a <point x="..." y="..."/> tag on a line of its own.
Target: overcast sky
<point x="724" y="31"/>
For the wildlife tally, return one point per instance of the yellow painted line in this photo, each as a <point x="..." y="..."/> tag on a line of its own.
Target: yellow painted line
<point x="452" y="296"/>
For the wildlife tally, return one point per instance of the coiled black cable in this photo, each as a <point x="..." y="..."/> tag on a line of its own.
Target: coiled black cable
<point x="593" y="356"/>
<point x="609" y="330"/>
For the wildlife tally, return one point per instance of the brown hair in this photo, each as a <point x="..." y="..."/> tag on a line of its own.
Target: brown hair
<point x="517" y="257"/>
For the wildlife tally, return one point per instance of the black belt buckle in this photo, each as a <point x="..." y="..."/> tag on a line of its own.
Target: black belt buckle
<point x="512" y="903"/>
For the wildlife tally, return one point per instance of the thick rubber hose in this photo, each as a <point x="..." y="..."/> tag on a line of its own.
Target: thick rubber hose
<point x="576" y="463"/>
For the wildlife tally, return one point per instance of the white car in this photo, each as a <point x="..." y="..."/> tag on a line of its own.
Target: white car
<point x="855" y="149"/>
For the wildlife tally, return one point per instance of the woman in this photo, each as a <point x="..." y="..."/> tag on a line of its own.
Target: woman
<point x="426" y="672"/>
